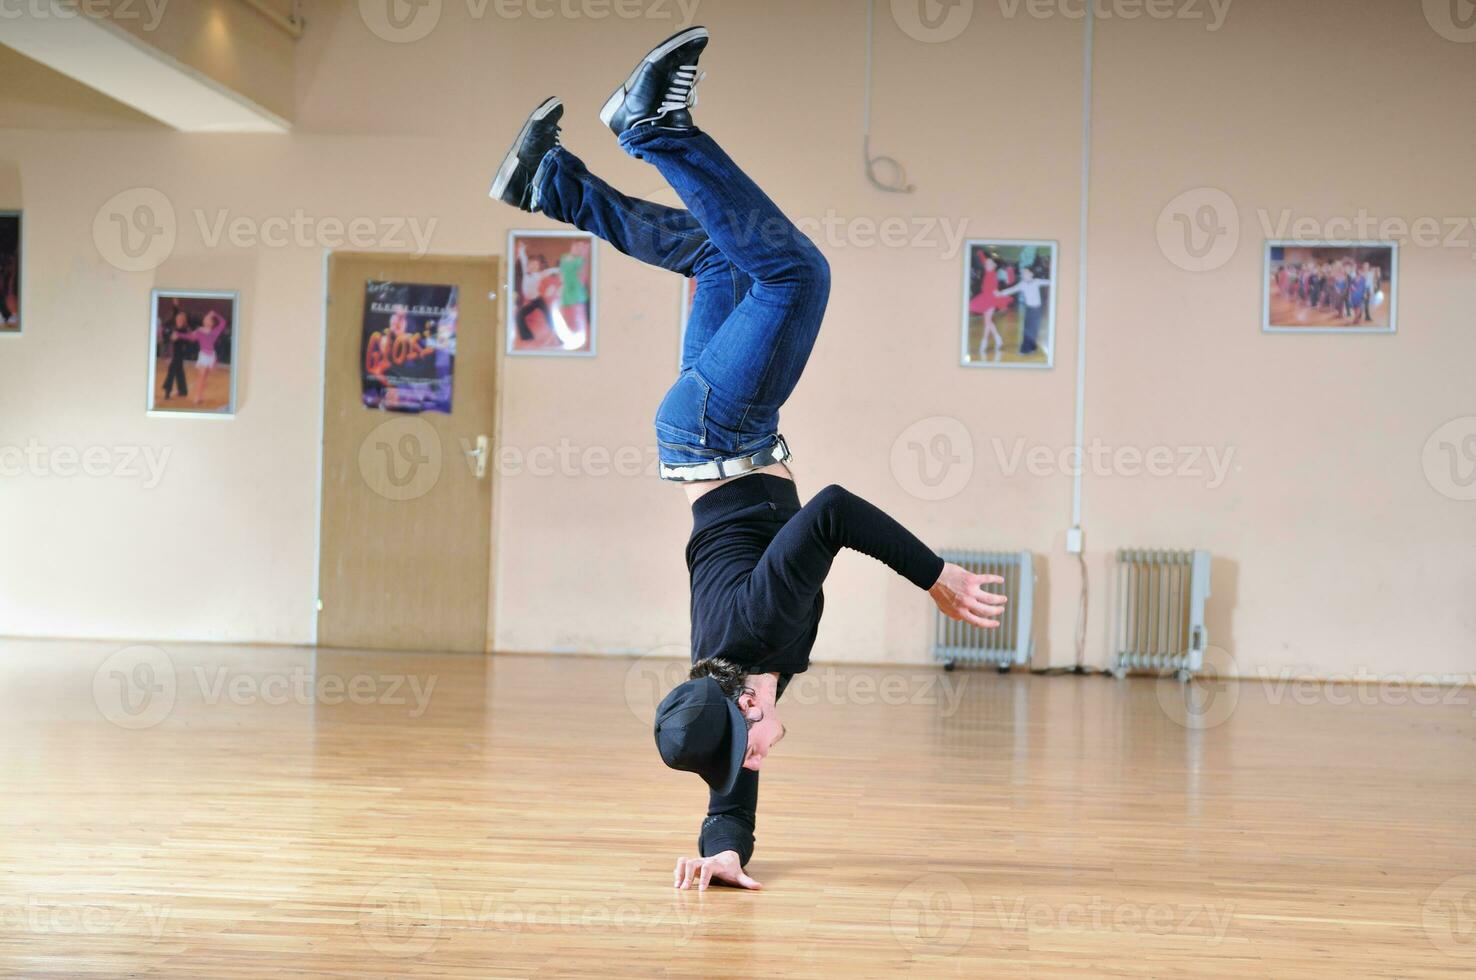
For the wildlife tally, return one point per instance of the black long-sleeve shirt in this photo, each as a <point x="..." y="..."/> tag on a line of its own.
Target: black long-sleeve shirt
<point x="757" y="561"/>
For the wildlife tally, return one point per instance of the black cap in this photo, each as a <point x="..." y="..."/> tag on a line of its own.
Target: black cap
<point x="700" y="729"/>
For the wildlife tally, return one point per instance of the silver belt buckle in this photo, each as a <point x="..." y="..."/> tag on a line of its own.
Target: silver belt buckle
<point x="724" y="469"/>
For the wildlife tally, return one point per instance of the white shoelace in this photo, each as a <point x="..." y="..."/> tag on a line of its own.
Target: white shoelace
<point x="682" y="92"/>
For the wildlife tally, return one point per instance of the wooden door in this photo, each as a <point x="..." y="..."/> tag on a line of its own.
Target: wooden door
<point x="406" y="524"/>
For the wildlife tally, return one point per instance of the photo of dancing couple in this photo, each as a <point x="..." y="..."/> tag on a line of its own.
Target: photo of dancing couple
<point x="1344" y="287"/>
<point x="551" y="306"/>
<point x="192" y="370"/>
<point x="1009" y="317"/>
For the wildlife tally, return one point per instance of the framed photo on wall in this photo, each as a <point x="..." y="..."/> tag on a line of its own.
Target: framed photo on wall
<point x="551" y="306"/>
<point x="1009" y="303"/>
<point x="1329" y="287"/>
<point x="10" y="273"/>
<point x="193" y="348"/>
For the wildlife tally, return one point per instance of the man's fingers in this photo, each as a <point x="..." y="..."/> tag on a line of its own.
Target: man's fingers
<point x="991" y="580"/>
<point x="980" y="621"/>
<point x="681" y="866"/>
<point x="988" y="610"/>
<point x="993" y="597"/>
<point x="706" y="876"/>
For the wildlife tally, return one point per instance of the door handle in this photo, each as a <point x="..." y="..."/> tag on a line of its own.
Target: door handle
<point x="477" y="458"/>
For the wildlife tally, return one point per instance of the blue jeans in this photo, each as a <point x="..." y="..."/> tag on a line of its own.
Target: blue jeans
<point x="761" y="286"/>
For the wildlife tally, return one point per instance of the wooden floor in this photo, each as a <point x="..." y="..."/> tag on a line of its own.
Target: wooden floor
<point x="249" y="812"/>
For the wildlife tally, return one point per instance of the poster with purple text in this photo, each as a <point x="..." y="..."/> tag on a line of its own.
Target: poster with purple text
<point x="409" y="346"/>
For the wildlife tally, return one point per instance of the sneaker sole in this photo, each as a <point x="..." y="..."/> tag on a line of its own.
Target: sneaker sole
<point x="617" y="98"/>
<point x="510" y="162"/>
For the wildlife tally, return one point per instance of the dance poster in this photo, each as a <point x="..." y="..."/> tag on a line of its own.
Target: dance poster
<point x="10" y="271"/>
<point x="409" y="347"/>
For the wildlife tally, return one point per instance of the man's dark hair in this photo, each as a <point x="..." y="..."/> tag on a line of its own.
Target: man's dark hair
<point x="730" y="677"/>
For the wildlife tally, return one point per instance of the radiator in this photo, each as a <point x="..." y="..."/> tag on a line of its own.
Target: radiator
<point x="1160" y="611"/>
<point x="1011" y="643"/>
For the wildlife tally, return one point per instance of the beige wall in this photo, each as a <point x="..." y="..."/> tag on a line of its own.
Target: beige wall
<point x="1333" y="552"/>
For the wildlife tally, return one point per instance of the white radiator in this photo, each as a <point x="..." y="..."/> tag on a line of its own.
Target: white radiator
<point x="957" y="642"/>
<point x="1160" y="611"/>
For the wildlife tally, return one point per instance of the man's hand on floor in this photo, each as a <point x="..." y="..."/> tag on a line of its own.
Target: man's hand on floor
<point x="960" y="594"/>
<point x="700" y="872"/>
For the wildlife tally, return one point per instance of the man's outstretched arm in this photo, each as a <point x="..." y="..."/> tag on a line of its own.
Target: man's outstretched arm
<point x="783" y="587"/>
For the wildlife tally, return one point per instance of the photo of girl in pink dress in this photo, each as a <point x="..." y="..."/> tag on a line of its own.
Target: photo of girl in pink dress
<point x="1009" y="317"/>
<point x="193" y="368"/>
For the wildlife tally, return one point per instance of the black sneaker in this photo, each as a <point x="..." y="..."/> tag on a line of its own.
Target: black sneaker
<point x="662" y="87"/>
<point x="514" y="180"/>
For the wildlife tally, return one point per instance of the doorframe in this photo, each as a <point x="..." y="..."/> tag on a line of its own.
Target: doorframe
<point x="499" y="366"/>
